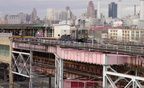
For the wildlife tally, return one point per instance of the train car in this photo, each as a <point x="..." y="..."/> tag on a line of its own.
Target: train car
<point x="37" y="31"/>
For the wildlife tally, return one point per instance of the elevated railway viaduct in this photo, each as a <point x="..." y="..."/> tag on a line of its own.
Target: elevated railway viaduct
<point x="84" y="65"/>
<point x="113" y="65"/>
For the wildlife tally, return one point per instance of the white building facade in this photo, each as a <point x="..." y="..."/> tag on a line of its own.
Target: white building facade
<point x="116" y="34"/>
<point x="61" y="29"/>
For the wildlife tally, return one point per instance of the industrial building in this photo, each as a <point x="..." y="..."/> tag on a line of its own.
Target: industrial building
<point x="126" y="35"/>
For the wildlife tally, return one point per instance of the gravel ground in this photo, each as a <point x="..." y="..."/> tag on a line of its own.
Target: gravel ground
<point x="37" y="83"/>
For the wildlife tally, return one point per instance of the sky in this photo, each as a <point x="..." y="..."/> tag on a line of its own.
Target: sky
<point x="77" y="6"/>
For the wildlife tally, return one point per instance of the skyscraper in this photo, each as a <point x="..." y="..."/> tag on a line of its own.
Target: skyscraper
<point x="98" y="9"/>
<point x="22" y="16"/>
<point x="119" y="9"/>
<point x="112" y="12"/>
<point x="90" y="10"/>
<point x="141" y="9"/>
<point x="50" y="14"/>
<point x="64" y="14"/>
<point x="28" y="18"/>
<point x="34" y="16"/>
<point x="69" y="13"/>
<point x="95" y="11"/>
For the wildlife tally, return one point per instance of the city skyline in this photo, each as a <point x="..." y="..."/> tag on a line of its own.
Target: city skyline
<point x="76" y="6"/>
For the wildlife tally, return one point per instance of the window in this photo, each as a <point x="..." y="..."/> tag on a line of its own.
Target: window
<point x="73" y="31"/>
<point x="4" y="50"/>
<point x="137" y="31"/>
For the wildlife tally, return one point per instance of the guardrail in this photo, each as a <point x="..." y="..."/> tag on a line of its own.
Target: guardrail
<point x="138" y="50"/>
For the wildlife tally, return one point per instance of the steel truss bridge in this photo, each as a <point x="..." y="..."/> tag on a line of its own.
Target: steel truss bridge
<point x="107" y="65"/>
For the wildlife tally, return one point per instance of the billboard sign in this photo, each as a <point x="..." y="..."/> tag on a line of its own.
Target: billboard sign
<point x="117" y="23"/>
<point x="95" y="27"/>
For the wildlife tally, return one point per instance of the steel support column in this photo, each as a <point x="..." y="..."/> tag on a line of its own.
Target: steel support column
<point x="30" y="76"/>
<point x="22" y="64"/>
<point x="10" y="77"/>
<point x="50" y="81"/>
<point x="104" y="71"/>
<point x="58" y="72"/>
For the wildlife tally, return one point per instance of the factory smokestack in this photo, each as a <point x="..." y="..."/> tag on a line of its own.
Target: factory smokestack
<point x="119" y="8"/>
<point x="134" y="10"/>
<point x="141" y="9"/>
<point x="98" y="9"/>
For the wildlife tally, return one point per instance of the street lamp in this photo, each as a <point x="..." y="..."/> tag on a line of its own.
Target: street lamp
<point x="92" y="36"/>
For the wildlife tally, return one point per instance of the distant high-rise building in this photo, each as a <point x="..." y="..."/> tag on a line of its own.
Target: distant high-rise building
<point x="90" y="10"/>
<point x="22" y="16"/>
<point x="27" y="18"/>
<point x="112" y="12"/>
<point x="98" y="9"/>
<point x="34" y="16"/>
<point x="50" y="15"/>
<point x="53" y="16"/>
<point x="119" y="9"/>
<point x="63" y="14"/>
<point x="69" y="13"/>
<point x="13" y="19"/>
<point x="95" y="11"/>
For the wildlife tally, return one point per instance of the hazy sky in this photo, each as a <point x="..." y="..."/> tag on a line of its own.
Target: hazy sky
<point x="77" y="6"/>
